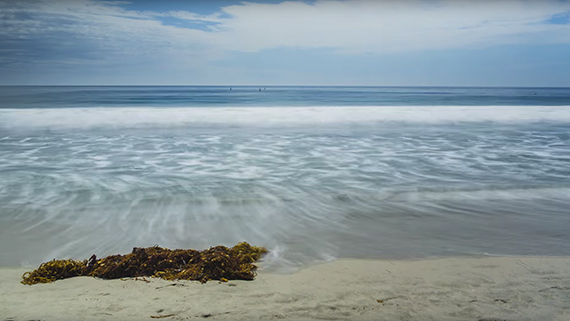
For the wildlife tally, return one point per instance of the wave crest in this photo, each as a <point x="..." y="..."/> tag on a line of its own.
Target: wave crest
<point x="133" y="117"/>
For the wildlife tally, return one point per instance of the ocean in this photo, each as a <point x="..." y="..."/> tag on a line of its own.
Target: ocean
<point x="312" y="173"/>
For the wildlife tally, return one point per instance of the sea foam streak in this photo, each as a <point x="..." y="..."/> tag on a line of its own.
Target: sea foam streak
<point x="133" y="117"/>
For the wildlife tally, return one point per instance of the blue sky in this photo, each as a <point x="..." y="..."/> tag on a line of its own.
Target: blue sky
<point x="225" y="42"/>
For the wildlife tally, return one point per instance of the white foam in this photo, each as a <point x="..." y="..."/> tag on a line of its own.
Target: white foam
<point x="133" y="117"/>
<point x="561" y="193"/>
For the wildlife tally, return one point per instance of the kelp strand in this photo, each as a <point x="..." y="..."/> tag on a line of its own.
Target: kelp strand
<point x="216" y="263"/>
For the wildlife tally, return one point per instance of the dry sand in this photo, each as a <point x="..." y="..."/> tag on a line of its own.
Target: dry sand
<point x="442" y="289"/>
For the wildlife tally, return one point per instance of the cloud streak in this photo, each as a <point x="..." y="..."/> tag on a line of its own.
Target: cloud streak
<point x="104" y="32"/>
<point x="348" y="26"/>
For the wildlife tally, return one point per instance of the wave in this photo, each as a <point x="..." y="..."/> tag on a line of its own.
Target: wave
<point x="299" y="230"/>
<point x="145" y="117"/>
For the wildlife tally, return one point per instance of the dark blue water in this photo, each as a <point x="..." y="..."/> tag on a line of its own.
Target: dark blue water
<point x="313" y="173"/>
<point x="201" y="96"/>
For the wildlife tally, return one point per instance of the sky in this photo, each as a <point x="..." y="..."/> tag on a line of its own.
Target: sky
<point x="272" y="42"/>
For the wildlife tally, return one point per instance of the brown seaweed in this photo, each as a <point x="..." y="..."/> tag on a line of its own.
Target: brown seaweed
<point x="54" y="270"/>
<point x="216" y="263"/>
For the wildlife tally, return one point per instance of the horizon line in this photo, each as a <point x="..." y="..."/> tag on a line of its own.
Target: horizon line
<point x="262" y="86"/>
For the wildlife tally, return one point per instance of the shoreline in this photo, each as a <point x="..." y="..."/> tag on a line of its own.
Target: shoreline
<point x="487" y="288"/>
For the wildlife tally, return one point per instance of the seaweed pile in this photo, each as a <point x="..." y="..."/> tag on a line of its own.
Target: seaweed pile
<point x="216" y="263"/>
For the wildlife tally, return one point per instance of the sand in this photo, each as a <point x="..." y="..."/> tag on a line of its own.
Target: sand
<point x="443" y="289"/>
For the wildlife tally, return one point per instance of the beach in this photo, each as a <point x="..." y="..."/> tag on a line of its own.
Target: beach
<point x="375" y="160"/>
<point x="354" y="191"/>
<point x="490" y="288"/>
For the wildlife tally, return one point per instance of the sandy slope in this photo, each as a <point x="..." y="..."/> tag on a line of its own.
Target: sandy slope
<point x="443" y="289"/>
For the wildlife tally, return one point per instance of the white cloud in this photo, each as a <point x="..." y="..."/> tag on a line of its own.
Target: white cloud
<point x="350" y="27"/>
<point x="389" y="26"/>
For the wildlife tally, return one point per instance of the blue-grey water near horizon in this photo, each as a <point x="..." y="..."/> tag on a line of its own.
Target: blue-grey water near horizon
<point x="312" y="173"/>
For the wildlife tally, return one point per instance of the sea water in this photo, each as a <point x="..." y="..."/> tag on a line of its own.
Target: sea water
<point x="312" y="173"/>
